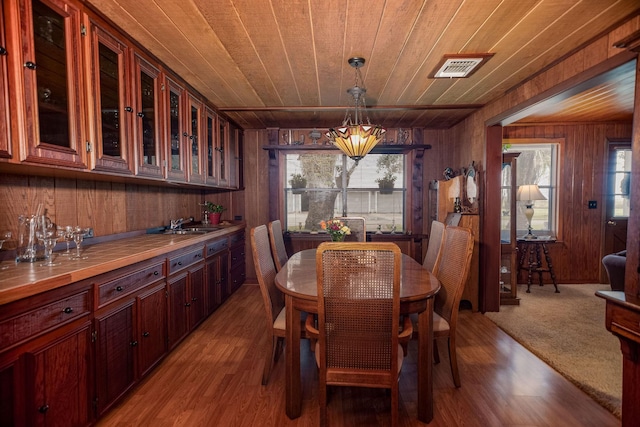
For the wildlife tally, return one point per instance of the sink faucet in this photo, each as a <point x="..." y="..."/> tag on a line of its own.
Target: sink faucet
<point x="176" y="224"/>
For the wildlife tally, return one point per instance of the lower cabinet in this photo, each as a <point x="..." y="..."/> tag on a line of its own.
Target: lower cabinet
<point x="186" y="290"/>
<point x="68" y="355"/>
<point x="58" y="380"/>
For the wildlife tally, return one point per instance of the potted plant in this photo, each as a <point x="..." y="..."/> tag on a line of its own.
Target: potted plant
<point x="386" y="183"/>
<point x="298" y="182"/>
<point x="390" y="165"/>
<point x="214" y="211"/>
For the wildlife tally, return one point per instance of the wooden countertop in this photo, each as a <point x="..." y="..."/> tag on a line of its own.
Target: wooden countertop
<point x="23" y="280"/>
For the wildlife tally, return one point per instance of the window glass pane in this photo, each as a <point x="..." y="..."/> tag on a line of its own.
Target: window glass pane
<point x="51" y="59"/>
<point x="622" y="178"/>
<point x="537" y="164"/>
<point x="109" y="62"/>
<point x="174" y="126"/>
<point x="148" y="98"/>
<point x="316" y="191"/>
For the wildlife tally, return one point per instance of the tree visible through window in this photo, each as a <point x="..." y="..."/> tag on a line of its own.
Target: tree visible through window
<point x="334" y="185"/>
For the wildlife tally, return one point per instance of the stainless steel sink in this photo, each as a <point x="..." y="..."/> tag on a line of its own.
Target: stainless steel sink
<point x="192" y="230"/>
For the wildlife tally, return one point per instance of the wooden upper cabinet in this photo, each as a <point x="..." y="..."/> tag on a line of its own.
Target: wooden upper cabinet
<point x="49" y="84"/>
<point x="110" y="122"/>
<point x="234" y="156"/>
<point x="210" y="141"/>
<point x="146" y="117"/>
<point x="5" y="136"/>
<point x="174" y="112"/>
<point x="195" y="147"/>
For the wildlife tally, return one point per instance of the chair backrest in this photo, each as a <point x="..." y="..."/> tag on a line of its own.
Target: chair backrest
<point x="266" y="272"/>
<point x="435" y="243"/>
<point x="357" y="226"/>
<point x="358" y="311"/>
<point x="278" y="249"/>
<point x="452" y="270"/>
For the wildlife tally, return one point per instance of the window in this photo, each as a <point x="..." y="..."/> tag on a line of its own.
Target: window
<point x="621" y="172"/>
<point x="536" y="164"/>
<point x="323" y="186"/>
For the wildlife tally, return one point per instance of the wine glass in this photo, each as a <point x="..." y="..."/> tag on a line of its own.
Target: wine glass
<point x="78" y="237"/>
<point x="4" y="236"/>
<point x="66" y="233"/>
<point x="49" y="242"/>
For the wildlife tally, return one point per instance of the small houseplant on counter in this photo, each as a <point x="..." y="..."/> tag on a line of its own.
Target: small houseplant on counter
<point x="213" y="211"/>
<point x="298" y="182"/>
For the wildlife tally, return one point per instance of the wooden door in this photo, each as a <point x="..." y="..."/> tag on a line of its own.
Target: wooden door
<point x="58" y="381"/>
<point x="197" y="296"/>
<point x="178" y="308"/>
<point x="617" y="200"/>
<point x="5" y="137"/>
<point x="212" y="279"/>
<point x="110" y="96"/>
<point x="152" y="332"/>
<point x="115" y="369"/>
<point x="175" y="130"/>
<point x="194" y="140"/>
<point x="210" y="145"/>
<point x="51" y="121"/>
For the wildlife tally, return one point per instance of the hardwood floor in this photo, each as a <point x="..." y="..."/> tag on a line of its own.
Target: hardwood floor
<point x="213" y="379"/>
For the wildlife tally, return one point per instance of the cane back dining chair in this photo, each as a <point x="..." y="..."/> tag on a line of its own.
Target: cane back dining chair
<point x="452" y="270"/>
<point x="272" y="298"/>
<point x="277" y="244"/>
<point x="433" y="248"/>
<point x="358" y="318"/>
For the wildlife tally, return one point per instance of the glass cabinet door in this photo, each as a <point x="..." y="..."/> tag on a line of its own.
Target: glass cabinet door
<point x="210" y="126"/>
<point x="146" y="123"/>
<point x="111" y="124"/>
<point x="174" y="113"/>
<point x="5" y="145"/>
<point x="233" y="156"/>
<point x="508" y="247"/>
<point x="53" y="84"/>
<point x="193" y="140"/>
<point x="223" y="152"/>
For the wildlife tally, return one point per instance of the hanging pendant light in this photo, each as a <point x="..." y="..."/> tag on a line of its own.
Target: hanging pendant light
<point x="354" y="137"/>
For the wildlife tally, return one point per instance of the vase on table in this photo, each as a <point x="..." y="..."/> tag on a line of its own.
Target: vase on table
<point x="337" y="237"/>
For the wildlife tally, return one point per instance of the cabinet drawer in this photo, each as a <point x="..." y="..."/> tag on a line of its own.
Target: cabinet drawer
<point x="236" y="238"/>
<point x="44" y="318"/>
<point x="217" y="246"/>
<point x="624" y="322"/>
<point x="114" y="289"/>
<point x="179" y="262"/>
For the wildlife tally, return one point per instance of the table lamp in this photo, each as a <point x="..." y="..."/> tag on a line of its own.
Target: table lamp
<point x="529" y="193"/>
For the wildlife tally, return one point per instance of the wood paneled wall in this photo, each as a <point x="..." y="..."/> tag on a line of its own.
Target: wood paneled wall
<point x="583" y="153"/>
<point x="107" y="207"/>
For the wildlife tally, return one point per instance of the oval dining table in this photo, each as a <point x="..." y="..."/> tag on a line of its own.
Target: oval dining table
<point x="297" y="280"/>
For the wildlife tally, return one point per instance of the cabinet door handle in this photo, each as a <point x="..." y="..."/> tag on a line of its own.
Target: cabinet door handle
<point x="68" y="310"/>
<point x="145" y="334"/>
<point x="141" y="115"/>
<point x="185" y="134"/>
<point x="179" y="262"/>
<point x="30" y="65"/>
<point x="155" y="273"/>
<point x="3" y="51"/>
<point x="119" y="288"/>
<point x="43" y="409"/>
<point x="194" y="299"/>
<point x="187" y="304"/>
<point x="134" y="343"/>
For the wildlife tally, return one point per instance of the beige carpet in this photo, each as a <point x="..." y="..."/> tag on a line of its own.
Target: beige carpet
<point x="567" y="331"/>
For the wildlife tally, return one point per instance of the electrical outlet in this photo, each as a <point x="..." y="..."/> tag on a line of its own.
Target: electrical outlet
<point x="89" y="233"/>
<point x="593" y="204"/>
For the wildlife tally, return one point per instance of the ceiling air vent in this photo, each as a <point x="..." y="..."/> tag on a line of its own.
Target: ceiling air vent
<point x="459" y="66"/>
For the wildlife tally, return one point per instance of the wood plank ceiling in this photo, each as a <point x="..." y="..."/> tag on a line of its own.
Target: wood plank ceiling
<point x="283" y="63"/>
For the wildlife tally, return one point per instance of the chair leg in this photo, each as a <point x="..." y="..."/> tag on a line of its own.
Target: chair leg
<point x="272" y="356"/>
<point x="454" y="361"/>
<point x="395" y="403"/>
<point x="436" y="355"/>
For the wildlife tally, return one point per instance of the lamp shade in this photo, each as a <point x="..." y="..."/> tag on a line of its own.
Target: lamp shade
<point x="356" y="140"/>
<point x="529" y="192"/>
